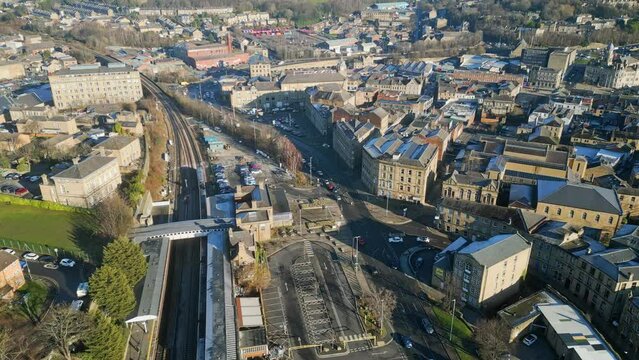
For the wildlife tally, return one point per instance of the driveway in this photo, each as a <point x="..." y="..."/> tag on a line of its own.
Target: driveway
<point x="66" y="279"/>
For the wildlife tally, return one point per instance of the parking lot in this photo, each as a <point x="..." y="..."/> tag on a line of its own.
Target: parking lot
<point x="309" y="283"/>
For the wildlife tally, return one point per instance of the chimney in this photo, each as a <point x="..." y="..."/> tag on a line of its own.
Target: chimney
<point x="75" y="160"/>
<point x="102" y="151"/>
<point x="45" y="179"/>
<point x="229" y="43"/>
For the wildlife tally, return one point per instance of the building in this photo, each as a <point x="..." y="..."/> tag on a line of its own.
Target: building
<point x="47" y="125"/>
<point x="580" y="205"/>
<point x="535" y="56"/>
<point x="521" y="316"/>
<point x="544" y="78"/>
<point x="471" y="186"/>
<point x="302" y="81"/>
<point x="11" y="276"/>
<point x="85" y="183"/>
<point x="561" y="60"/>
<point x="348" y="139"/>
<point x="571" y="336"/>
<point x="484" y="273"/>
<point x="400" y="168"/>
<point x="126" y="149"/>
<point x="629" y="327"/>
<point x="259" y="66"/>
<point x="10" y="70"/>
<point x="475" y="220"/>
<point x="85" y="85"/>
<point x="595" y="278"/>
<point x="259" y="209"/>
<point x="623" y="72"/>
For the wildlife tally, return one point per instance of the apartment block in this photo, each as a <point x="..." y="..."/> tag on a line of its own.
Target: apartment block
<point x="126" y="149"/>
<point x="85" y="85"/>
<point x="85" y="183"/>
<point x="484" y="273"/>
<point x="348" y="138"/>
<point x="629" y="327"/>
<point x="400" y="168"/>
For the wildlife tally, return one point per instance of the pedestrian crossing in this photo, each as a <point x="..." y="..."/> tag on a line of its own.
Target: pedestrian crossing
<point x="308" y="249"/>
<point x="349" y="272"/>
<point x="356" y="337"/>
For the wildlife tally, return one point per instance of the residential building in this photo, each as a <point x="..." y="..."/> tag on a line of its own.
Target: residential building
<point x="11" y="276"/>
<point x="580" y="205"/>
<point x="400" y="168"/>
<point x="595" y="278"/>
<point x="84" y="85"/>
<point x="348" y="139"/>
<point x="85" y="183"/>
<point x="302" y="81"/>
<point x="544" y="78"/>
<point x="12" y="142"/>
<point x="571" y="336"/>
<point x="126" y="149"/>
<point x="484" y="273"/>
<point x="47" y="125"/>
<point x="406" y="85"/>
<point x="259" y="66"/>
<point x="471" y="186"/>
<point x="629" y="327"/>
<point x="475" y="220"/>
<point x="624" y="72"/>
<point x="535" y="56"/>
<point x="438" y="137"/>
<point x="629" y="200"/>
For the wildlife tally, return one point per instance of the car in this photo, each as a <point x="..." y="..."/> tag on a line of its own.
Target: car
<point x="31" y="256"/>
<point x="51" y="266"/>
<point x="529" y="339"/>
<point x="9" y="251"/>
<point x="428" y="327"/>
<point x="325" y="145"/>
<point x="217" y="129"/>
<point x="424" y="239"/>
<point x="82" y="290"/>
<point x="46" y="258"/>
<point x="407" y="342"/>
<point x="395" y="239"/>
<point x="319" y="173"/>
<point x="76" y="305"/>
<point x="21" y="191"/>
<point x="67" y="262"/>
<point x="34" y="178"/>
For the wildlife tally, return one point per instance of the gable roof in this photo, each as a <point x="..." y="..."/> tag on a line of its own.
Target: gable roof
<point x="495" y="249"/>
<point x="85" y="168"/>
<point x="580" y="196"/>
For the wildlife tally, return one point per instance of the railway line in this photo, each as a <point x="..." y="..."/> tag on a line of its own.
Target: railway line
<point x="181" y="321"/>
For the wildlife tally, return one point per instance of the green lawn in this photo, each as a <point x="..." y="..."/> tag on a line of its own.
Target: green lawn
<point x="462" y="334"/>
<point x="36" y="226"/>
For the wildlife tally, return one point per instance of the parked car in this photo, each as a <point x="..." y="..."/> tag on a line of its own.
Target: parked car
<point x="529" y="339"/>
<point x="67" y="262"/>
<point x="395" y="239"/>
<point x="31" y="256"/>
<point x="407" y="342"/>
<point x="82" y="290"/>
<point x="424" y="239"/>
<point x="427" y="326"/>
<point x="77" y="305"/>
<point x="46" y="258"/>
<point x="9" y="251"/>
<point x="51" y="266"/>
<point x="21" y="191"/>
<point x="34" y="178"/>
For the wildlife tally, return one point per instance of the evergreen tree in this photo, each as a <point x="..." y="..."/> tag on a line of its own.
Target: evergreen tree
<point x="127" y="256"/>
<point x="110" y="289"/>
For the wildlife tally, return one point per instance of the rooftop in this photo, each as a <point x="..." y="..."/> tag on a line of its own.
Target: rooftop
<point x="495" y="249"/>
<point x="580" y="196"/>
<point x="86" y="69"/>
<point x="116" y="142"/>
<point x="526" y="308"/>
<point x="86" y="167"/>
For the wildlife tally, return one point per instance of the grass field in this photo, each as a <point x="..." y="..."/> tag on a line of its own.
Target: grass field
<point x="462" y="334"/>
<point x="37" y="226"/>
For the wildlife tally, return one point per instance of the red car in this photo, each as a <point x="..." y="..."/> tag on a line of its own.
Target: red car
<point x="330" y="186"/>
<point x="21" y="191"/>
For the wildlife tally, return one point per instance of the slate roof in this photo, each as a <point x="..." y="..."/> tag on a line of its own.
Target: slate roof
<point x="323" y="77"/>
<point x="392" y="147"/>
<point x="6" y="259"/>
<point x="495" y="249"/>
<point x="85" y="168"/>
<point x="116" y="142"/>
<point x="580" y="196"/>
<point x="618" y="264"/>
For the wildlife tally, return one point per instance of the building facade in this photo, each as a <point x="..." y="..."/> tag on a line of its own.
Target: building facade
<point x="11" y="275"/>
<point x="471" y="186"/>
<point x="85" y="85"/>
<point x="85" y="183"/>
<point x="348" y="139"/>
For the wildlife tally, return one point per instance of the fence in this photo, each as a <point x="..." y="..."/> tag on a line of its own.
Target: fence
<point x="41" y="249"/>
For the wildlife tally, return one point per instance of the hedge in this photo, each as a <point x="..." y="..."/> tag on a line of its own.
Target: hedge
<point x="15" y="200"/>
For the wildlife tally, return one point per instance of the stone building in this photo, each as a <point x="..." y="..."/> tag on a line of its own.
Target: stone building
<point x="126" y="149"/>
<point x="348" y="139"/>
<point x="471" y="186"/>
<point x="11" y="275"/>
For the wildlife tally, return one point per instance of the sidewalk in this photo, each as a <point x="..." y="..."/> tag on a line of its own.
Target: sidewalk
<point x="395" y="214"/>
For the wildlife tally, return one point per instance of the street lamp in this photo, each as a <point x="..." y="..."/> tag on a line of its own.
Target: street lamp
<point x="452" y="320"/>
<point x="56" y="253"/>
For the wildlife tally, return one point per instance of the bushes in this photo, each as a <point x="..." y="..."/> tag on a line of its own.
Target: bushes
<point x="15" y="200"/>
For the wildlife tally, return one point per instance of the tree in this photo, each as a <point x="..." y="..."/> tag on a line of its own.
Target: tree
<point x="113" y="217"/>
<point x="62" y="327"/>
<point x="491" y="335"/>
<point x="106" y="340"/>
<point x="452" y="291"/>
<point x="127" y="256"/>
<point x="12" y="346"/>
<point x="110" y="289"/>
<point x="380" y="302"/>
<point x="118" y="128"/>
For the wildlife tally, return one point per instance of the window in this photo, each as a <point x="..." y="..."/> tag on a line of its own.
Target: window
<point x="610" y="220"/>
<point x="558" y="211"/>
<point x="584" y="216"/>
<point x="572" y="213"/>
<point x="546" y="209"/>
<point x="597" y="217"/>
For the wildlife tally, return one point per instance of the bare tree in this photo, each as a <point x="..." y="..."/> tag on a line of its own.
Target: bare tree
<point x="62" y="327"/>
<point x="12" y="347"/>
<point x="113" y="217"/>
<point x="254" y="277"/>
<point x="491" y="335"/>
<point x="452" y="291"/>
<point x="380" y="302"/>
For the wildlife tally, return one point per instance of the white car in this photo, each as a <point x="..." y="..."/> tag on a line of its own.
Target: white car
<point x="424" y="239"/>
<point x="31" y="256"/>
<point x="395" y="239"/>
<point x="529" y="339"/>
<point x="51" y="266"/>
<point x="34" y="178"/>
<point x="9" y="251"/>
<point x="67" y="263"/>
<point x="326" y="145"/>
<point x="82" y="290"/>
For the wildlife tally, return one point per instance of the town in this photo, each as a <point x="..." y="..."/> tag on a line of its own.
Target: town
<point x="449" y="180"/>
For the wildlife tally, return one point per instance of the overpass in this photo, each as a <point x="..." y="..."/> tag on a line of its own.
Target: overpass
<point x="179" y="230"/>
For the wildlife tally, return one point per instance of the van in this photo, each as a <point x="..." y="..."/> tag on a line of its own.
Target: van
<point x="82" y="290"/>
